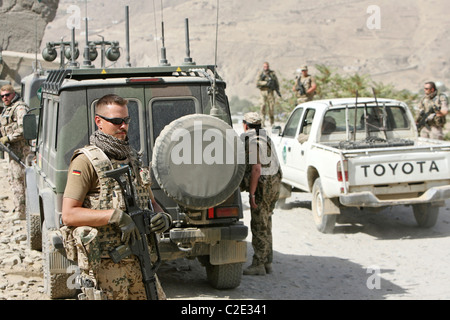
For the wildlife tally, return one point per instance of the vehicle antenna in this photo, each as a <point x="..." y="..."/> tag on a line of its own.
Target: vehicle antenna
<point x="156" y="31"/>
<point x="163" y="61"/>
<point x="86" y="61"/>
<point x="127" y="34"/>
<point x="356" y="116"/>
<point x="214" y="110"/>
<point x="188" y="59"/>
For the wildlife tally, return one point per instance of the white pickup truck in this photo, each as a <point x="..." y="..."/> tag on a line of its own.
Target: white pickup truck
<point x="383" y="163"/>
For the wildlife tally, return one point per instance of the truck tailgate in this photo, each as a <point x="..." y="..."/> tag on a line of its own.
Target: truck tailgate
<point x="397" y="166"/>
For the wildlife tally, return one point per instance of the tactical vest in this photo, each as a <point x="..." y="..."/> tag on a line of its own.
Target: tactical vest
<point x="110" y="195"/>
<point x="270" y="166"/>
<point x="9" y="123"/>
<point x="428" y="104"/>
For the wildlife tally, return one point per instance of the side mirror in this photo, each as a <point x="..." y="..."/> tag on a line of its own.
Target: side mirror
<point x="276" y="130"/>
<point x="30" y="126"/>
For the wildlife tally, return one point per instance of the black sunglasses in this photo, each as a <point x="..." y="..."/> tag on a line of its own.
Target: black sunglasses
<point x="116" y="121"/>
<point x="5" y="95"/>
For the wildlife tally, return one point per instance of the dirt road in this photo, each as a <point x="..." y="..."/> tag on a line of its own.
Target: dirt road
<point x="370" y="256"/>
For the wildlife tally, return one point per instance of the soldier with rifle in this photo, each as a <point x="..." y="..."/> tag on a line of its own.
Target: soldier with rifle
<point x="433" y="108"/>
<point x="108" y="228"/>
<point x="305" y="86"/>
<point x="267" y="83"/>
<point x="11" y="130"/>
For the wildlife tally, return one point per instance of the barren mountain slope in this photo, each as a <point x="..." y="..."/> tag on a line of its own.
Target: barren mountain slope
<point x="406" y="44"/>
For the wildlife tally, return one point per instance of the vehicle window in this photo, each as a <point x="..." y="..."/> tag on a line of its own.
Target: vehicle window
<point x="396" y="118"/>
<point x="164" y="111"/>
<point x="307" y="123"/>
<point x="291" y="126"/>
<point x="133" y="128"/>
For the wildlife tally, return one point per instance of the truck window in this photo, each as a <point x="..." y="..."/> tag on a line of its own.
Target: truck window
<point x="291" y="126"/>
<point x="164" y="111"/>
<point x="307" y="123"/>
<point x="396" y="118"/>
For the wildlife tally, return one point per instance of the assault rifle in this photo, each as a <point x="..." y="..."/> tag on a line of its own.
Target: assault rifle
<point x="141" y="217"/>
<point x="11" y="154"/>
<point x="422" y="120"/>
<point x="300" y="88"/>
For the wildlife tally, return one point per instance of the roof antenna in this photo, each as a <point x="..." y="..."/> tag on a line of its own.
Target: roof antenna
<point x="216" y="112"/>
<point x="163" y="61"/>
<point x="188" y="59"/>
<point x="127" y="35"/>
<point x="87" y="61"/>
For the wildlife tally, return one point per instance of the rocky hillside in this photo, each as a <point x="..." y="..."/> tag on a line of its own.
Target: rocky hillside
<point x="399" y="42"/>
<point x="22" y="22"/>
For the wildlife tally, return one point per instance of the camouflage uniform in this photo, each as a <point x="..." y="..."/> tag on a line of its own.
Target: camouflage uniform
<point x="307" y="82"/>
<point x="435" y="124"/>
<point x="259" y="150"/>
<point x="12" y="127"/>
<point x="112" y="281"/>
<point x="267" y="83"/>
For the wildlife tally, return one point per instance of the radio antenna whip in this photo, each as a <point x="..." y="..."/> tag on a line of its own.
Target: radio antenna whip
<point x="214" y="110"/>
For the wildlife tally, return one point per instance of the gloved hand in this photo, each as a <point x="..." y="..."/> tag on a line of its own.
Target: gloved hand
<point x="4" y="139"/>
<point x="126" y="225"/>
<point x="160" y="222"/>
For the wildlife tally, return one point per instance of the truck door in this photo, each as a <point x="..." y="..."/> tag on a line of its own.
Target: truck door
<point x="300" y="147"/>
<point x="288" y="142"/>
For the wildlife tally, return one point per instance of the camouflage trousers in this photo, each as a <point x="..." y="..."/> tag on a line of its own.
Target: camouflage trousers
<point x="16" y="179"/>
<point x="266" y="196"/>
<point x="123" y="280"/>
<point x="267" y="102"/>
<point x="432" y="133"/>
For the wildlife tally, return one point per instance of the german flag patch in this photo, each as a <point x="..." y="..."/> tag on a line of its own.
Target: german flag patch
<point x="76" y="172"/>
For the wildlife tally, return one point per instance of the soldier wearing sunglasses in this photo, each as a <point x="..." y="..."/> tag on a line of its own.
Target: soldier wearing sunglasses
<point x="11" y="130"/>
<point x="93" y="201"/>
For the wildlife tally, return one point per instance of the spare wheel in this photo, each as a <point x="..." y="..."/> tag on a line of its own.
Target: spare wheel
<point x="198" y="160"/>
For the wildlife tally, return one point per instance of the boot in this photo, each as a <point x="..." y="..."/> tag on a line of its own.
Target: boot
<point x="255" y="270"/>
<point x="268" y="267"/>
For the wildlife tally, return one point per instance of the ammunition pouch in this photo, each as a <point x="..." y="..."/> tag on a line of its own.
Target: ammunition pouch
<point x="82" y="246"/>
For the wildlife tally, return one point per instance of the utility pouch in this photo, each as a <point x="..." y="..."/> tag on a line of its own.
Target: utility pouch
<point x="69" y="243"/>
<point x="88" y="247"/>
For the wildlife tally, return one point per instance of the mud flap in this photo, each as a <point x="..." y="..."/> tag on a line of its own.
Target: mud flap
<point x="228" y="251"/>
<point x="331" y="206"/>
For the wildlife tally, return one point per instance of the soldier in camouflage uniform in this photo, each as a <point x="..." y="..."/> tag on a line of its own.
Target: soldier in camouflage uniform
<point x="93" y="208"/>
<point x="12" y="134"/>
<point x="262" y="180"/>
<point x="267" y="83"/>
<point x="435" y="106"/>
<point x="305" y="86"/>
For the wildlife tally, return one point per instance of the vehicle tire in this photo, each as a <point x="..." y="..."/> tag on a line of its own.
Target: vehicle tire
<point x="191" y="182"/>
<point x="324" y="222"/>
<point x="55" y="284"/>
<point x="34" y="232"/>
<point x="425" y="215"/>
<point x="224" y="276"/>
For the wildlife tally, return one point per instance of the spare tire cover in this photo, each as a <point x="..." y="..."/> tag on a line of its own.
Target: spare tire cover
<point x="198" y="160"/>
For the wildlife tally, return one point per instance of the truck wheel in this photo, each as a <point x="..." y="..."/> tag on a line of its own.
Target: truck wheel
<point x="426" y="215"/>
<point x="34" y="233"/>
<point x="224" y="276"/>
<point x="55" y="284"/>
<point x="324" y="222"/>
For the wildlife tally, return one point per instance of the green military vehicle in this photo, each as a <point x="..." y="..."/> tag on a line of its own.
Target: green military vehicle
<point x="173" y="109"/>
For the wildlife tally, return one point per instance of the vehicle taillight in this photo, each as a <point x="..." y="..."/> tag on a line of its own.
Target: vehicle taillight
<point x="223" y="212"/>
<point x="339" y="171"/>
